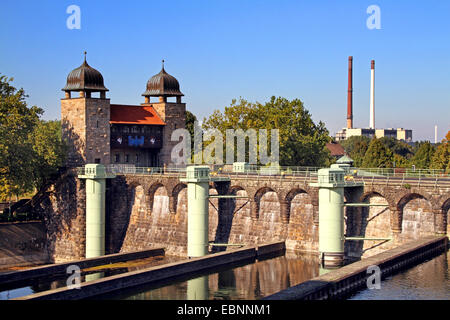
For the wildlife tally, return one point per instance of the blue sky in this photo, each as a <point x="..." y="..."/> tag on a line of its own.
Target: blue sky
<point x="220" y="50"/>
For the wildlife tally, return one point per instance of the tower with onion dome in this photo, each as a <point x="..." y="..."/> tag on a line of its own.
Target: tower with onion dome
<point x="165" y="89"/>
<point x="85" y="115"/>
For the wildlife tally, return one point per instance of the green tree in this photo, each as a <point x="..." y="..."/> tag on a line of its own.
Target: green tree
<point x="190" y="120"/>
<point x="31" y="149"/>
<point x="302" y="142"/>
<point x="378" y="155"/>
<point x="441" y="158"/>
<point x="356" y="147"/>
<point x="49" y="151"/>
<point x="400" y="161"/>
<point x="424" y="154"/>
<point x="397" y="147"/>
<point x="17" y="123"/>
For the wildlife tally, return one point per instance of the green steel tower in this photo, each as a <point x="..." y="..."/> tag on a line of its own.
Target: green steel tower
<point x="95" y="175"/>
<point x="197" y="179"/>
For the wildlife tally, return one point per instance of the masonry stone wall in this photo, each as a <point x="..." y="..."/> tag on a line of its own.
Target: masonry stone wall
<point x="63" y="208"/>
<point x="174" y="115"/>
<point x="85" y="146"/>
<point x="151" y="211"/>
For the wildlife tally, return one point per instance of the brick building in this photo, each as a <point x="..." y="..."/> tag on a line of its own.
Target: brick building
<point x="97" y="131"/>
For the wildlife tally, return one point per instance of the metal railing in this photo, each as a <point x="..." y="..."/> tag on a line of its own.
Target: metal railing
<point x="406" y="177"/>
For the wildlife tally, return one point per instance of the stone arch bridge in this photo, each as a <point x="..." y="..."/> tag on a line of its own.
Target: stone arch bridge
<point x="151" y="210"/>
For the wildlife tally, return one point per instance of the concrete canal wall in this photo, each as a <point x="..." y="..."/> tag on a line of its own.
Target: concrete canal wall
<point x="61" y="268"/>
<point x="159" y="273"/>
<point x="342" y="282"/>
<point x="23" y="244"/>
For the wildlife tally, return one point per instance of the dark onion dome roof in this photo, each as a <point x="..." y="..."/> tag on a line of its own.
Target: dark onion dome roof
<point x="162" y="84"/>
<point x="84" y="78"/>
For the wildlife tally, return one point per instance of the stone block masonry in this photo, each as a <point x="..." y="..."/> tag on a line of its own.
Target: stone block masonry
<point x="145" y="211"/>
<point x="86" y="146"/>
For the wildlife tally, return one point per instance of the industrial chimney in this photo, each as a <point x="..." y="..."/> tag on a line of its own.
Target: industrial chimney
<point x="350" y="94"/>
<point x="435" y="135"/>
<point x="372" y="94"/>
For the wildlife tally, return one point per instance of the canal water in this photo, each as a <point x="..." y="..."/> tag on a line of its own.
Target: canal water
<point x="255" y="280"/>
<point x="429" y="280"/>
<point x="88" y="274"/>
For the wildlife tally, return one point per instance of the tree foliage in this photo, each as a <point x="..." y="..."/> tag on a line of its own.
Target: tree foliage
<point x="378" y="155"/>
<point x="441" y="158"/>
<point x="30" y="149"/>
<point x="398" y="147"/>
<point x="424" y="154"/>
<point x="356" y="147"/>
<point x="302" y="142"/>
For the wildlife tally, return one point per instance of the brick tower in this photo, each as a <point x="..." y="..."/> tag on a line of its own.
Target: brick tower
<point x="173" y="113"/>
<point x="85" y="119"/>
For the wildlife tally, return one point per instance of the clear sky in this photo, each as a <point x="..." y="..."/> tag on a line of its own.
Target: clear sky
<point x="220" y="50"/>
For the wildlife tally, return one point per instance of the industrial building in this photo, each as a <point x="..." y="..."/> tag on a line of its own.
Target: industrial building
<point x="371" y="131"/>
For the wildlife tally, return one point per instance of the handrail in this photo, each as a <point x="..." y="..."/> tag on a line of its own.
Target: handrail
<point x="421" y="177"/>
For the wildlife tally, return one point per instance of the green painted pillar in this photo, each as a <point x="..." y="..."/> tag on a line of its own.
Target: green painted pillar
<point x="331" y="225"/>
<point x="95" y="217"/>
<point x="197" y="179"/>
<point x="94" y="276"/>
<point x="95" y="175"/>
<point x="331" y="216"/>
<point x="198" y="289"/>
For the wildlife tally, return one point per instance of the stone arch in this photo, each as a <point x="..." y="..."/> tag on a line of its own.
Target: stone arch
<point x="269" y="224"/>
<point x="131" y="192"/>
<point x="405" y="198"/>
<point x="173" y="197"/>
<point x="285" y="204"/>
<point x="151" y="193"/>
<point x="234" y="219"/>
<point x="235" y="188"/>
<point x="302" y="232"/>
<point x="256" y="200"/>
<point x="366" y="195"/>
<point x="213" y="215"/>
<point x="137" y="209"/>
<point x="370" y="222"/>
<point x="416" y="216"/>
<point x="238" y="206"/>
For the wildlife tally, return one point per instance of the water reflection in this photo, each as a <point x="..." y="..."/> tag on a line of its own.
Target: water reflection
<point x="198" y="288"/>
<point x="428" y="280"/>
<point x="89" y="274"/>
<point x="251" y="281"/>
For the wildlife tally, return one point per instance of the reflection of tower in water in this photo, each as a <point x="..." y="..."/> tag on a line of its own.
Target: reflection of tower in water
<point x="198" y="289"/>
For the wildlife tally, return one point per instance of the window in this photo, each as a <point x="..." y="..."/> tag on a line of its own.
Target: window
<point x="113" y="129"/>
<point x="127" y="158"/>
<point x="97" y="123"/>
<point x="137" y="157"/>
<point x="126" y="129"/>
<point x="135" y="129"/>
<point x="97" y="160"/>
<point x="117" y="157"/>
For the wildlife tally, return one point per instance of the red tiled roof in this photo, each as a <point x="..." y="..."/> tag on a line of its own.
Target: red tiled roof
<point x="335" y="149"/>
<point x="134" y="115"/>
